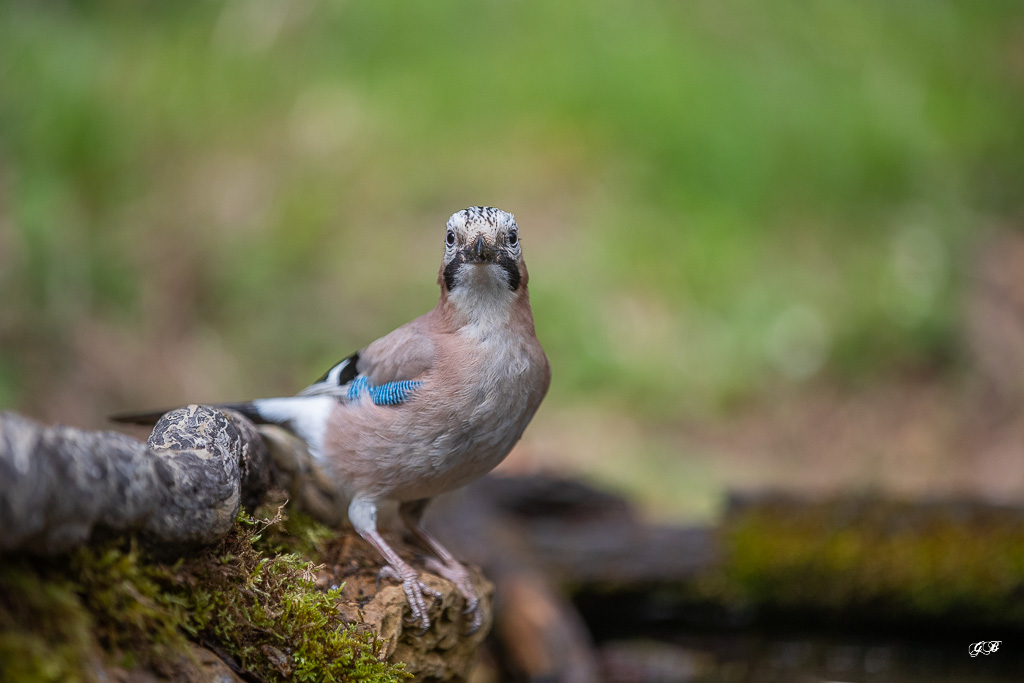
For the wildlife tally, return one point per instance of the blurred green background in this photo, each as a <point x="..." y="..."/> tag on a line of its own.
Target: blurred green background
<point x="726" y="206"/>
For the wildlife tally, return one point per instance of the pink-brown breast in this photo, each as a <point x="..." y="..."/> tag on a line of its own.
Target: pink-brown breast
<point x="472" y="408"/>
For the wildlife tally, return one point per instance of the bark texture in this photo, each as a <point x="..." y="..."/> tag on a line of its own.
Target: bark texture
<point x="61" y="486"/>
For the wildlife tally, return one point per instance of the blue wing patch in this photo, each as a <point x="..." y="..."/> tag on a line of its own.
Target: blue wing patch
<point x="388" y="394"/>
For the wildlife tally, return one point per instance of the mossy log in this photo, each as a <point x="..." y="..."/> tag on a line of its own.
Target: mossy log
<point x="179" y="495"/>
<point x="952" y="562"/>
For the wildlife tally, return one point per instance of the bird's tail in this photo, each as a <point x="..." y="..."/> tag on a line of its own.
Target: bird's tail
<point x="151" y="417"/>
<point x="305" y="416"/>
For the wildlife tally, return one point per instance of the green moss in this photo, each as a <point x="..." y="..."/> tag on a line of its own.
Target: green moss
<point x="266" y="612"/>
<point x="61" y="619"/>
<point x="133" y="615"/>
<point x="45" y="630"/>
<point x="895" y="558"/>
<point x="294" y="532"/>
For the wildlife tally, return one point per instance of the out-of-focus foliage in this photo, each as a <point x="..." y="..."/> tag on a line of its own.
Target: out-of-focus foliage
<point x="215" y="199"/>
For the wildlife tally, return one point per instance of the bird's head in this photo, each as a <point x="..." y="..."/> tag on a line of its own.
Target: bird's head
<point x="482" y="252"/>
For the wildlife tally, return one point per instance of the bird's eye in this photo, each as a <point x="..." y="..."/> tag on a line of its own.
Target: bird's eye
<point x="513" y="238"/>
<point x="450" y="238"/>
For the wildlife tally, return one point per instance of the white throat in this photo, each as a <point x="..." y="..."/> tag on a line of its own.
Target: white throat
<point x="482" y="295"/>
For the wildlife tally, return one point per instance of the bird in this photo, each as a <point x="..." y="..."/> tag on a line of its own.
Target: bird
<point x="429" y="407"/>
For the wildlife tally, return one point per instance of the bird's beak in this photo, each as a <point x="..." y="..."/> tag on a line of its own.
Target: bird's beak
<point x="479" y="251"/>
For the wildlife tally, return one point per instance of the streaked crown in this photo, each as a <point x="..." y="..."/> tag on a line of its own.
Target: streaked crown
<point x="482" y="219"/>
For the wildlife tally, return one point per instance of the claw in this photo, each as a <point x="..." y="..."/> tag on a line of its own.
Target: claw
<point x="414" y="590"/>
<point x="437" y="595"/>
<point x="471" y="605"/>
<point x="475" y="621"/>
<point x="458" y="575"/>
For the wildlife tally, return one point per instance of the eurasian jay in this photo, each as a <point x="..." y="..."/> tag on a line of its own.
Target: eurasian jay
<point x="433" y="405"/>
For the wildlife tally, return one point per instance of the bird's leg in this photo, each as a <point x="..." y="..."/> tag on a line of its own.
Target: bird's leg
<point x="362" y="513"/>
<point x="445" y="565"/>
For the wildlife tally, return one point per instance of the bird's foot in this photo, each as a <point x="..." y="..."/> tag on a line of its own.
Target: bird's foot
<point x="414" y="590"/>
<point x="457" y="574"/>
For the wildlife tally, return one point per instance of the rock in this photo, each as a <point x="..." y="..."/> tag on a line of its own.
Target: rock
<point x="444" y="652"/>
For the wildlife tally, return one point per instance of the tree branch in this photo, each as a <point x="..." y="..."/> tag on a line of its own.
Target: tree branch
<point x="60" y="486"/>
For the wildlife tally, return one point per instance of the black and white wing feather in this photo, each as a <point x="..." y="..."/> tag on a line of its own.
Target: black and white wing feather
<point x="336" y="381"/>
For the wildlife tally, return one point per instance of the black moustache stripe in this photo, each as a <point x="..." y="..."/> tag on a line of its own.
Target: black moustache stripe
<point x="452" y="268"/>
<point x="504" y="261"/>
<point x="511" y="267"/>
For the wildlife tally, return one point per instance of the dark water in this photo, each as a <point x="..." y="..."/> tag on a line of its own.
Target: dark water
<point x="641" y="641"/>
<point x="798" y="657"/>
